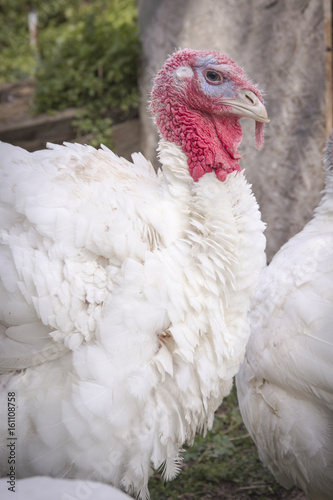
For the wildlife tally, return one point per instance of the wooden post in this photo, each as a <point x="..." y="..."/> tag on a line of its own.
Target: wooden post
<point x="33" y="27"/>
<point x="327" y="4"/>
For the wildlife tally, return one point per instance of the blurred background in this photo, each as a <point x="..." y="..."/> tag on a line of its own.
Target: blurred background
<point x="75" y="70"/>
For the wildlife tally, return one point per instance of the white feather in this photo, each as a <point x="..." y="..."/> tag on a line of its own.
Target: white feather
<point x="37" y="488"/>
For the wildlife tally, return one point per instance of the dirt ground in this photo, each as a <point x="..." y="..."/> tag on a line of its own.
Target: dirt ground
<point x="16" y="101"/>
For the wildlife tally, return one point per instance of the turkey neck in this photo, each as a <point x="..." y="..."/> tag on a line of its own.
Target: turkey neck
<point x="209" y="141"/>
<point x="325" y="207"/>
<point x="224" y="235"/>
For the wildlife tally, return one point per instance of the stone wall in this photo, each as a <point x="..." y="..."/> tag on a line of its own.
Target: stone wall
<point x="281" y="45"/>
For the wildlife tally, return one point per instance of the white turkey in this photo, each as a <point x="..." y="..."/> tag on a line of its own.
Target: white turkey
<point x="285" y="385"/>
<point x="124" y="293"/>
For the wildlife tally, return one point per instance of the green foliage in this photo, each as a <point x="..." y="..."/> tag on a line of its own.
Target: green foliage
<point x="95" y="129"/>
<point x="18" y="59"/>
<point x="87" y="58"/>
<point x="91" y="59"/>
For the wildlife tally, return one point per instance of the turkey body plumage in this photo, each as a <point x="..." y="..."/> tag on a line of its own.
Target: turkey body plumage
<point x="124" y="296"/>
<point x="285" y="385"/>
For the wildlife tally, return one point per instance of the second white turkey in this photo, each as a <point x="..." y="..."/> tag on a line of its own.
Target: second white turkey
<point x="285" y="385"/>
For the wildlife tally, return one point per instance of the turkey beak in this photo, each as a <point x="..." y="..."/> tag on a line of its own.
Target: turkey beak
<point x="247" y="105"/>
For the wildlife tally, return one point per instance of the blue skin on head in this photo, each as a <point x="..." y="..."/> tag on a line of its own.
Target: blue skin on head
<point x="225" y="88"/>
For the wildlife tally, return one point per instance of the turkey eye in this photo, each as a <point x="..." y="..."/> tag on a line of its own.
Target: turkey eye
<point x="213" y="77"/>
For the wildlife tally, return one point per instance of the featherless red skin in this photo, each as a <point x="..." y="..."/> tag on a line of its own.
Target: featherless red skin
<point x="195" y="120"/>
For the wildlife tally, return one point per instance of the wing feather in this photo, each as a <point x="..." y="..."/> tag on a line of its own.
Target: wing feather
<point x="293" y="310"/>
<point x="69" y="218"/>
